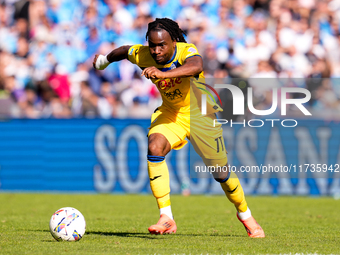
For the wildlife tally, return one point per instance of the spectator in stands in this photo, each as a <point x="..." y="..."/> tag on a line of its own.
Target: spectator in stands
<point x="237" y="38"/>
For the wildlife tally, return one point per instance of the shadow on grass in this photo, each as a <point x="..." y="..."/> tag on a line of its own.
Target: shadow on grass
<point x="122" y="234"/>
<point x="145" y="235"/>
<point x="37" y="230"/>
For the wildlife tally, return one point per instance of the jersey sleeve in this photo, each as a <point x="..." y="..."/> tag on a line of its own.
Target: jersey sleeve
<point x="189" y="51"/>
<point x="133" y="53"/>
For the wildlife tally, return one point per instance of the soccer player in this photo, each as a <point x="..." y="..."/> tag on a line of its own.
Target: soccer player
<point x="170" y="63"/>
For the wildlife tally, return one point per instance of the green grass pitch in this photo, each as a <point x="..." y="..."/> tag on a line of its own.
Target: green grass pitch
<point x="117" y="224"/>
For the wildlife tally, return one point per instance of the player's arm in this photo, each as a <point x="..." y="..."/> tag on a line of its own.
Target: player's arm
<point x="192" y="66"/>
<point x="100" y="62"/>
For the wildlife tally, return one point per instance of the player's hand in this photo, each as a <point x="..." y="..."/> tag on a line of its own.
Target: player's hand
<point x="153" y="73"/>
<point x="100" y="62"/>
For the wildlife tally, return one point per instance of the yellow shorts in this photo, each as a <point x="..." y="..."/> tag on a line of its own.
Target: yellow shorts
<point x="206" y="139"/>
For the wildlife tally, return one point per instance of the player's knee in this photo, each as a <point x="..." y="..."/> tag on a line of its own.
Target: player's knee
<point x="158" y="145"/>
<point x="221" y="177"/>
<point x="221" y="180"/>
<point x="155" y="149"/>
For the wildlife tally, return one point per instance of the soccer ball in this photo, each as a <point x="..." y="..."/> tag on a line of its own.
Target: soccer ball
<point x="67" y="224"/>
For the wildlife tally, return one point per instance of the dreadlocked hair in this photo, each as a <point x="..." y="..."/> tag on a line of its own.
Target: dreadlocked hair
<point x="168" y="25"/>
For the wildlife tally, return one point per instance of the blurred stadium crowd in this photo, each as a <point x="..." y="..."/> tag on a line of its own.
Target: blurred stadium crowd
<point x="47" y="48"/>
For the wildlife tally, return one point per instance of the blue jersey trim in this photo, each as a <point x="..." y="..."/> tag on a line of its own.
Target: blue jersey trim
<point x="173" y="56"/>
<point x="194" y="56"/>
<point x="169" y="68"/>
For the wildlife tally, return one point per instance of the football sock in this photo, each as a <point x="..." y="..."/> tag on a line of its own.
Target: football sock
<point x="167" y="211"/>
<point x="160" y="182"/>
<point x="233" y="190"/>
<point x="244" y="215"/>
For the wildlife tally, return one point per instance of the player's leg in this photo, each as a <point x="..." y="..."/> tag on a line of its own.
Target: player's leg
<point x="233" y="190"/>
<point x="229" y="183"/>
<point x="163" y="136"/>
<point x="158" y="147"/>
<point x="218" y="160"/>
<point x="208" y="142"/>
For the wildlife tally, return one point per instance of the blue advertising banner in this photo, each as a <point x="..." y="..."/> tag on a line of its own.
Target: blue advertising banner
<point x="97" y="155"/>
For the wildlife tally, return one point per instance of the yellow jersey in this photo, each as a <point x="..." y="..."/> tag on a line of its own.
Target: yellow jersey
<point x="175" y="92"/>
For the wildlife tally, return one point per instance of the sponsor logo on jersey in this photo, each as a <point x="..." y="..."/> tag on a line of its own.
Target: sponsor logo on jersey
<point x="192" y="50"/>
<point x="163" y="84"/>
<point x="168" y="83"/>
<point x="173" y="95"/>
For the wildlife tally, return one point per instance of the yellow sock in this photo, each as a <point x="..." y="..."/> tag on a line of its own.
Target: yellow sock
<point x="233" y="190"/>
<point x="160" y="182"/>
<point x="163" y="201"/>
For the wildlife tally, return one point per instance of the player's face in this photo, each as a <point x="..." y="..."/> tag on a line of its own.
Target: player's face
<point x="161" y="46"/>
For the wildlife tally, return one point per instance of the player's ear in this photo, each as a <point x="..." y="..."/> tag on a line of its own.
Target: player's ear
<point x="174" y="44"/>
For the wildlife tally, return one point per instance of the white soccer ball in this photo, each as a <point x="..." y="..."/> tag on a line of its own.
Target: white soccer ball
<point x="67" y="224"/>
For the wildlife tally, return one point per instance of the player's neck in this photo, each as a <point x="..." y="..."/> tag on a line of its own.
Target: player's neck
<point x="173" y="56"/>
